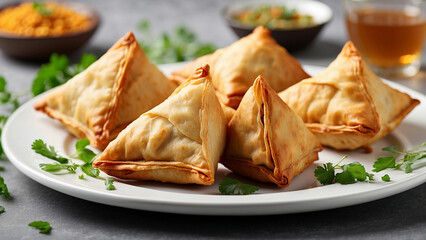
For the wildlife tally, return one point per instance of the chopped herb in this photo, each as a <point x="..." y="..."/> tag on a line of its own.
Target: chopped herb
<point x="44" y="227"/>
<point x="1" y="168"/>
<point x="386" y="178"/>
<point x="81" y="176"/>
<point x="41" y="9"/>
<point x="4" y="191"/>
<point x="1" y="209"/>
<point x="230" y="186"/>
<point x="109" y="183"/>
<point x="41" y="148"/>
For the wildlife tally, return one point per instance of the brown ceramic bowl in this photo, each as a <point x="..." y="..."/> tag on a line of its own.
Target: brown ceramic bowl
<point x="38" y="48"/>
<point x="291" y="39"/>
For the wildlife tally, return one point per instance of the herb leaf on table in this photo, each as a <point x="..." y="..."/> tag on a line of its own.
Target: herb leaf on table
<point x="44" y="227"/>
<point x="178" y="46"/>
<point x="58" y="71"/>
<point x="4" y="191"/>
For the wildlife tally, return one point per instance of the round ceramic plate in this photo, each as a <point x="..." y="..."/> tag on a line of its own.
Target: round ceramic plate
<point x="303" y="194"/>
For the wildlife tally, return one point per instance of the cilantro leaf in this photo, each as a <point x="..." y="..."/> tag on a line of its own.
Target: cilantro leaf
<point x="230" y="186"/>
<point x="345" y="177"/>
<point x="386" y="178"/>
<point x="70" y="168"/>
<point x="1" y="209"/>
<point x="44" y="227"/>
<point x="4" y="191"/>
<point x="88" y="169"/>
<point x="41" y="9"/>
<point x="85" y="61"/>
<point x="357" y="171"/>
<point x="325" y="174"/>
<point x="81" y="176"/>
<point x="83" y="153"/>
<point x="109" y="183"/>
<point x="177" y="46"/>
<point x="383" y="163"/>
<point x="41" y="148"/>
<point x="57" y="72"/>
<point x="391" y="149"/>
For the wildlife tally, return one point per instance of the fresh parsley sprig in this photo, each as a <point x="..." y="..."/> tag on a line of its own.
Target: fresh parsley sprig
<point x="405" y="163"/>
<point x="230" y="186"/>
<point x="350" y="173"/>
<point x="44" y="227"/>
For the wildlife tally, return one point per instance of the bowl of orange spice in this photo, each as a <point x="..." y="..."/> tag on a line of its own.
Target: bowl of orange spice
<point x="35" y="30"/>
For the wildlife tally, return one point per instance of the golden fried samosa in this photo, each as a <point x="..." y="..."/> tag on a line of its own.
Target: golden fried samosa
<point x="115" y="90"/>
<point x="178" y="141"/>
<point x="233" y="69"/>
<point x="347" y="106"/>
<point x="266" y="140"/>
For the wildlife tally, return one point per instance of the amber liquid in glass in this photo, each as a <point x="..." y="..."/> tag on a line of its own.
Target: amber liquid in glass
<point x="387" y="38"/>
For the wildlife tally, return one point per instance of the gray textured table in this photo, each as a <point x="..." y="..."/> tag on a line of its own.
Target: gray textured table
<point x="402" y="216"/>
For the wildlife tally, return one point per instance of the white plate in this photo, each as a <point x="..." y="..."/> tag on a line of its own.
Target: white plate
<point x="303" y="194"/>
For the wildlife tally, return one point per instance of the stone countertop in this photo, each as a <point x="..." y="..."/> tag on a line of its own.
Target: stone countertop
<point x="402" y="216"/>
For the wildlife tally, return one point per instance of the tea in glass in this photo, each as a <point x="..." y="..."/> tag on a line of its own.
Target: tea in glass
<point x="389" y="34"/>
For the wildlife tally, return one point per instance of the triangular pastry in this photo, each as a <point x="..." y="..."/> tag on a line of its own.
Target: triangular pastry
<point x="347" y="106"/>
<point x="266" y="140"/>
<point x="233" y="69"/>
<point x="115" y="90"/>
<point x="178" y="141"/>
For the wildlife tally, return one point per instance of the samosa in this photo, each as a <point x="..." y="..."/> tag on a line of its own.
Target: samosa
<point x="234" y="68"/>
<point x="266" y="140"/>
<point x="347" y="106"/>
<point x="178" y="141"/>
<point x="115" y="90"/>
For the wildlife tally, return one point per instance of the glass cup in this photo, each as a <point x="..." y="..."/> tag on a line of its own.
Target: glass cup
<point x="389" y="34"/>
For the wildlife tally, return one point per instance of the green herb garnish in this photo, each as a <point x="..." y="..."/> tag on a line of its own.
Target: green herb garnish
<point x="1" y="209"/>
<point x="70" y="168"/>
<point x="41" y="9"/>
<point x="350" y="173"/>
<point x="230" y="186"/>
<point x="44" y="227"/>
<point x="180" y="45"/>
<point x="405" y="163"/>
<point x="109" y="183"/>
<point x="4" y="191"/>
<point x="58" y="71"/>
<point x="41" y="148"/>
<point x="386" y="178"/>
<point x="82" y="153"/>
